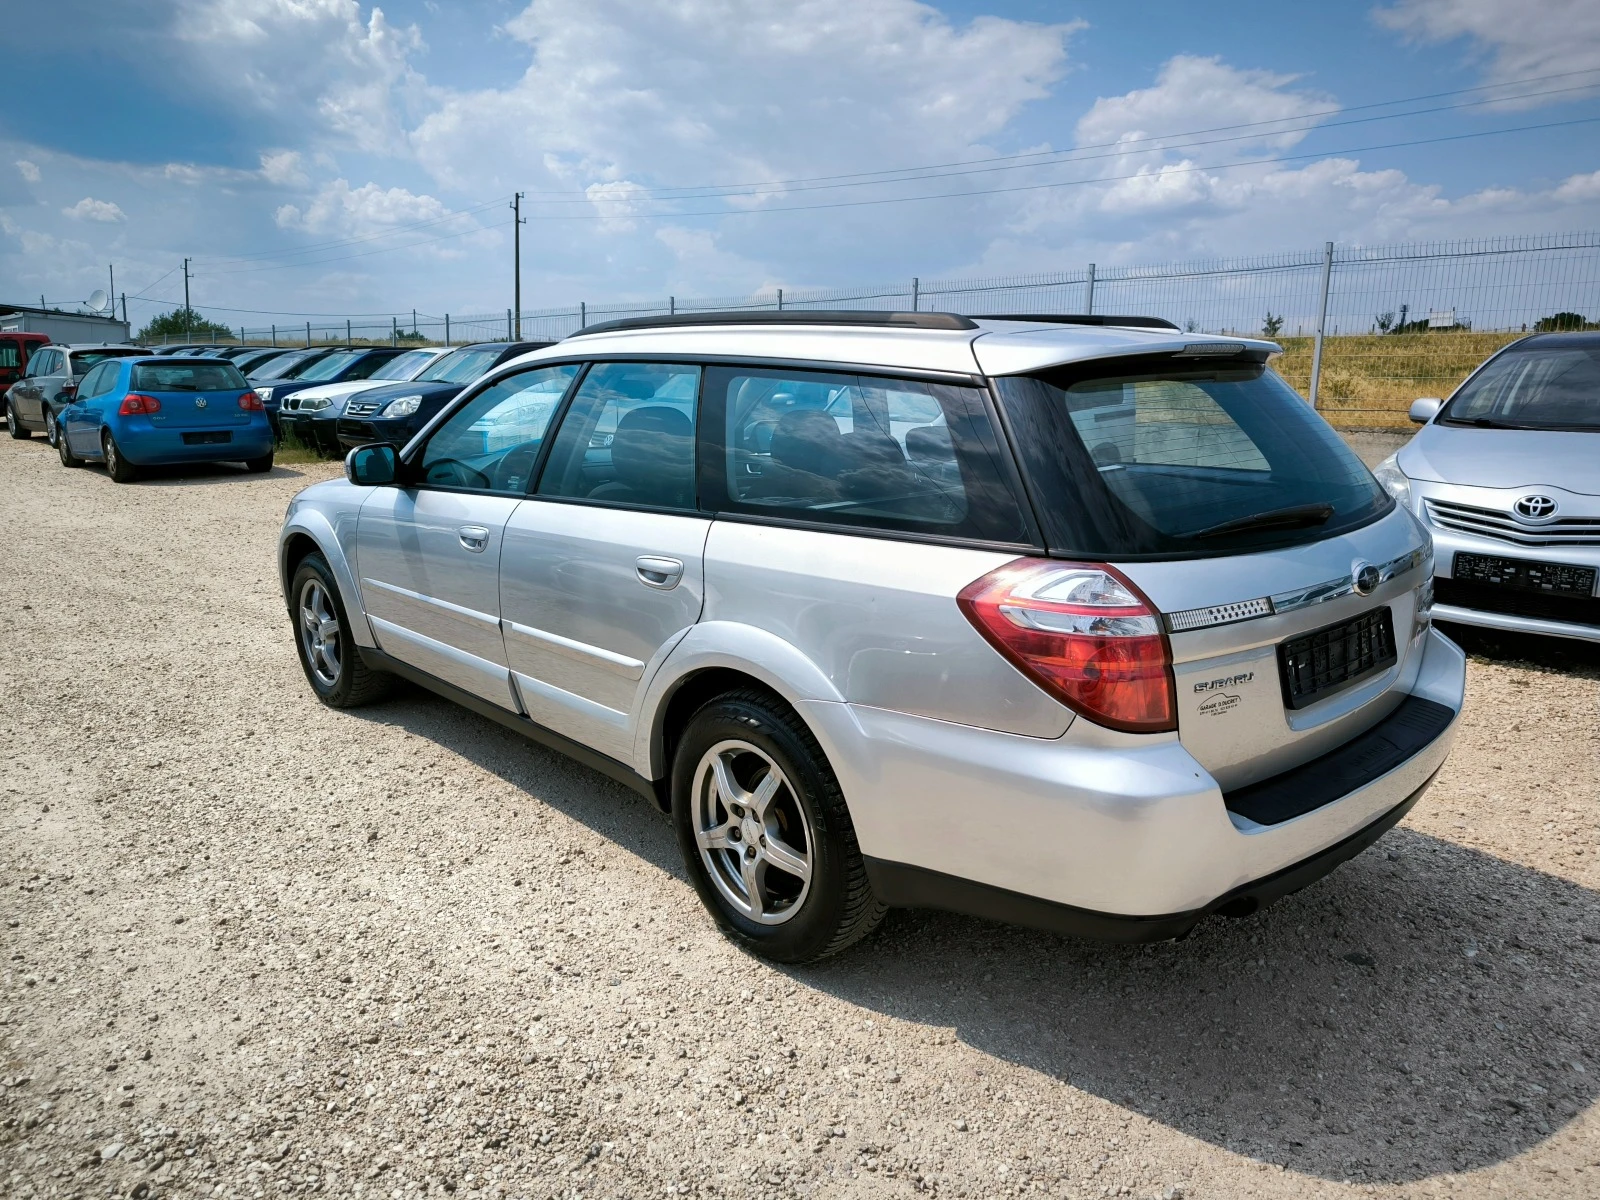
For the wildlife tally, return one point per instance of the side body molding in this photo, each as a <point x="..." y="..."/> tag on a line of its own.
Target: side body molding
<point x="332" y="536"/>
<point x="729" y="644"/>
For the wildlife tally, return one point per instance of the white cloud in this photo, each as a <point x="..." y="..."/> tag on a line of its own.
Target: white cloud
<point x="339" y="208"/>
<point x="1519" y="39"/>
<point x="89" y="209"/>
<point x="30" y="172"/>
<point x="1192" y="94"/>
<point x="284" y="168"/>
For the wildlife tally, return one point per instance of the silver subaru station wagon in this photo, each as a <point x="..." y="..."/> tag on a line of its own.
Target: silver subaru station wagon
<point x="1507" y="476"/>
<point x="1084" y="623"/>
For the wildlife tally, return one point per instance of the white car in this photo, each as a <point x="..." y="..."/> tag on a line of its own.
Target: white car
<point x="1506" y="475"/>
<point x="313" y="414"/>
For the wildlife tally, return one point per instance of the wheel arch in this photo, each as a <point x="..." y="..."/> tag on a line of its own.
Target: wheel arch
<point x="308" y="531"/>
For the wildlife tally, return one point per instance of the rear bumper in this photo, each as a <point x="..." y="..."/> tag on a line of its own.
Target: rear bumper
<point x="167" y="446"/>
<point x="1113" y="836"/>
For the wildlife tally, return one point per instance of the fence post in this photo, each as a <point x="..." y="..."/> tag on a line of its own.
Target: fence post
<point x="394" y="331"/>
<point x="1322" y="322"/>
<point x="447" y="329"/>
<point x="1088" y="303"/>
<point x="274" y="336"/>
<point x="780" y="299"/>
<point x="241" y="335"/>
<point x="916" y="292"/>
<point x="508" y="324"/>
<point x="583" y="313"/>
<point x="672" y="306"/>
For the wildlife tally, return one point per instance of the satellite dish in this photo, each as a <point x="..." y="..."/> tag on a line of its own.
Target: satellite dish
<point x="99" y="301"/>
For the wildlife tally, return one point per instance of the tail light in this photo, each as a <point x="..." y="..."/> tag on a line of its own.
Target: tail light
<point x="135" y="403"/>
<point x="251" y="402"/>
<point x="1084" y="634"/>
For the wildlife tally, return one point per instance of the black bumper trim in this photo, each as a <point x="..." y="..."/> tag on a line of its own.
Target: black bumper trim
<point x="904" y="886"/>
<point x="1413" y="726"/>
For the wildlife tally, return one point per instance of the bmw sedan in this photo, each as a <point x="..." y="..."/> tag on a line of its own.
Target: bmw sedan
<point x="337" y="366"/>
<point x="312" y="415"/>
<point x="395" y="413"/>
<point x="1506" y="474"/>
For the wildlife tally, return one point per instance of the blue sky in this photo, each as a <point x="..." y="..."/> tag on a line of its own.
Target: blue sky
<point x="325" y="156"/>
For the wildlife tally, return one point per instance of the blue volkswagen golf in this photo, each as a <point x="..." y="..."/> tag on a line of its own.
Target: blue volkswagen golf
<point x="143" y="412"/>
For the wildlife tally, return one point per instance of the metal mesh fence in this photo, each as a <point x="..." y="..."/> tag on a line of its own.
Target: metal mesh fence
<point x="1398" y="321"/>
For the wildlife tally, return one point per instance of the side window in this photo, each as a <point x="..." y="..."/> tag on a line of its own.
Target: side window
<point x="366" y="367"/>
<point x="861" y="450"/>
<point x="628" y="437"/>
<point x="96" y="381"/>
<point x="8" y="355"/>
<point x="491" y="442"/>
<point x="41" y="363"/>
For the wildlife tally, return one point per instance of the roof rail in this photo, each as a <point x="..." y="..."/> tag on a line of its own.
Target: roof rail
<point x="795" y="316"/>
<point x="1080" y="319"/>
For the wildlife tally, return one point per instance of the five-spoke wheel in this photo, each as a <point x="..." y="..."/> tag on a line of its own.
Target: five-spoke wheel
<point x="753" y="833"/>
<point x="319" y="632"/>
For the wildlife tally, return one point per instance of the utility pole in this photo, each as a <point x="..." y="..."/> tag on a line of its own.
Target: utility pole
<point x="124" y="308"/>
<point x="517" y="222"/>
<point x="186" y="309"/>
<point x="112" y="268"/>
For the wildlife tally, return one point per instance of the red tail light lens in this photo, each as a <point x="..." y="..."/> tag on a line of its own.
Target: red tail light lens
<point x="1083" y="633"/>
<point x="251" y="402"/>
<point x="135" y="403"/>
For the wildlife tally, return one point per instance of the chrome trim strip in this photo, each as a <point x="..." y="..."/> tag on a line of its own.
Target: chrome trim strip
<point x="621" y="664"/>
<point x="1265" y="606"/>
<point x="1218" y="614"/>
<point x="471" y="614"/>
<point x="1328" y="589"/>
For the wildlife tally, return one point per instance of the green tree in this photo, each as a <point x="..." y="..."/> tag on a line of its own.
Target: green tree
<point x="183" y="323"/>
<point x="1561" y="322"/>
<point x="1271" y="325"/>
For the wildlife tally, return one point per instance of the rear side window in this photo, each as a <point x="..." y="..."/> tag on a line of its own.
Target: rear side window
<point x="1165" y="458"/>
<point x="628" y="437"/>
<point x="10" y="356"/>
<point x="863" y="450"/>
<point x="187" y="377"/>
<point x="98" y="381"/>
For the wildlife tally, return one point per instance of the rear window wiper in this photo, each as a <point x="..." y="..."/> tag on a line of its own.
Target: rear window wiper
<point x="1296" y="516"/>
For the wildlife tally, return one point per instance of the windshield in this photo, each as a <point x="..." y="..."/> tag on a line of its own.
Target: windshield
<point x="199" y="376"/>
<point x="326" y="368"/>
<point x="279" y="367"/>
<point x="1173" y="460"/>
<point x="459" y="366"/>
<point x="83" y="361"/>
<point x="1554" y="385"/>
<point x="406" y="366"/>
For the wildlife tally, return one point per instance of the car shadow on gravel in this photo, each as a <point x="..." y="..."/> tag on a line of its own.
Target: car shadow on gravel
<point x="1426" y="1008"/>
<point x="187" y="474"/>
<point x="1561" y="656"/>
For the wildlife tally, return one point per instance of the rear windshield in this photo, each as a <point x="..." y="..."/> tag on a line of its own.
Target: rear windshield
<point x="84" y="361"/>
<point x="460" y="366"/>
<point x="404" y="367"/>
<point x="1549" y="386"/>
<point x="198" y="376"/>
<point x="1169" y="459"/>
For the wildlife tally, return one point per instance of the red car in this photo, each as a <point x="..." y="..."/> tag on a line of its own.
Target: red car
<point x="14" y="351"/>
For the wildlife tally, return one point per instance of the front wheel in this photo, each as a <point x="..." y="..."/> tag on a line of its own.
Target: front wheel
<point x="259" y="466"/>
<point x="15" y="427"/>
<point x="765" y="832"/>
<point x="119" y="468"/>
<point x="68" y="458"/>
<point x="328" y="653"/>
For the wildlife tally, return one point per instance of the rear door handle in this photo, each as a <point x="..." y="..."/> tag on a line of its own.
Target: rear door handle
<point x="473" y="537"/>
<point x="658" y="572"/>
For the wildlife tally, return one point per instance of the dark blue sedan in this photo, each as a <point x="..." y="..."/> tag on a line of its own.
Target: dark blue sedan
<point x="330" y="366"/>
<point x="136" y="412"/>
<point x="395" y="413"/>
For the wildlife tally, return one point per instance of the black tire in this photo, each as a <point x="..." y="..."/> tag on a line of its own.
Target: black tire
<point x="51" y="433"/>
<point x="838" y="906"/>
<point x="15" y="427"/>
<point x="68" y="458"/>
<point x="118" y="467"/>
<point x="259" y="466"/>
<point x="351" y="683"/>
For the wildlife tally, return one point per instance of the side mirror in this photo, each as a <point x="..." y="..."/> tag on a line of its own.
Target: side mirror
<point x="372" y="466"/>
<point x="1425" y="409"/>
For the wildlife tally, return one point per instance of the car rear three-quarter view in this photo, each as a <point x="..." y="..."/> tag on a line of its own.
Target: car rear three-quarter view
<point x="1084" y="623"/>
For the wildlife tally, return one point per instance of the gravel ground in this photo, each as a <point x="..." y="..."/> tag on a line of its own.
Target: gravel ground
<point x="255" y="947"/>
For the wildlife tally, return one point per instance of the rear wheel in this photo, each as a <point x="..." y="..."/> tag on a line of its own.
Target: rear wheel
<point x="328" y="653"/>
<point x="15" y="427"/>
<point x="259" y="465"/>
<point x="68" y="458"/>
<point x="765" y="832"/>
<point x="51" y="433"/>
<point x="119" y="468"/>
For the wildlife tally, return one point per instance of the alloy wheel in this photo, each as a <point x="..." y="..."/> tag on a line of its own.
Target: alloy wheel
<point x="754" y="836"/>
<point x="319" y="632"/>
<point x="50" y="430"/>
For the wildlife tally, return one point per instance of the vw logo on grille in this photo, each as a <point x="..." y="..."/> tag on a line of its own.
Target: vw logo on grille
<point x="1365" y="578"/>
<point x="1535" y="508"/>
<point x="199" y="401"/>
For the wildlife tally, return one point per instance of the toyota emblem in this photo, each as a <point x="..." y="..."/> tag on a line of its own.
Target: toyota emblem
<point x="1535" y="508"/>
<point x="1365" y="578"/>
<point x="199" y="401"/>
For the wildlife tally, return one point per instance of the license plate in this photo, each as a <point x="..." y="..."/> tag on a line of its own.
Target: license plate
<point x="1315" y="665"/>
<point x="1560" y="579"/>
<point x="207" y="438"/>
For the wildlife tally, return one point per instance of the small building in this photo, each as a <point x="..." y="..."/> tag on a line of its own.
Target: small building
<point x="1441" y="318"/>
<point x="62" y="326"/>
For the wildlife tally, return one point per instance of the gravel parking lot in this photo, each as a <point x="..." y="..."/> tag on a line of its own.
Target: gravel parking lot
<point x="255" y="947"/>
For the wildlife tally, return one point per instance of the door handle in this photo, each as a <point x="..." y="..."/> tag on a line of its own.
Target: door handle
<point x="473" y="537"/>
<point x="657" y="572"/>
